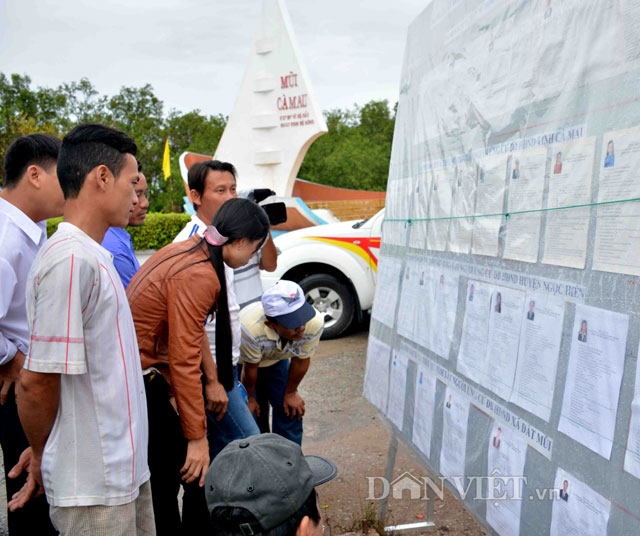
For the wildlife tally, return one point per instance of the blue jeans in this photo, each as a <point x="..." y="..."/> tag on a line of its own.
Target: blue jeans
<point x="237" y="422"/>
<point x="271" y="384"/>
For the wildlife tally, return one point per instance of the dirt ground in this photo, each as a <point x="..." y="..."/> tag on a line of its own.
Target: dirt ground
<point x="342" y="426"/>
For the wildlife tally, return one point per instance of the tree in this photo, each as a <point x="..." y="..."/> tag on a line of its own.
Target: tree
<point x="82" y="104"/>
<point x="23" y="111"/>
<point x="356" y="151"/>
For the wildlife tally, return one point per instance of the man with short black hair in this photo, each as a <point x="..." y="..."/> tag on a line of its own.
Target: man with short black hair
<point x="30" y="196"/>
<point x="81" y="394"/>
<point x="264" y="485"/>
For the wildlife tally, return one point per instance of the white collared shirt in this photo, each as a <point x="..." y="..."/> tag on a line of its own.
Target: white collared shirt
<point x="20" y="240"/>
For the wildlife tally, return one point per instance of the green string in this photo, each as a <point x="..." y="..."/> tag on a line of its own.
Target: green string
<point x="507" y="215"/>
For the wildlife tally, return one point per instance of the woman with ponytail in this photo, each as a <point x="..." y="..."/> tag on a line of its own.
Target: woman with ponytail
<point x="171" y="297"/>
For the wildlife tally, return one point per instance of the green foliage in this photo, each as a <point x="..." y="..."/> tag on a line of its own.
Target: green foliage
<point x="356" y="151"/>
<point x="52" y="225"/>
<point x="158" y="230"/>
<point x="354" y="154"/>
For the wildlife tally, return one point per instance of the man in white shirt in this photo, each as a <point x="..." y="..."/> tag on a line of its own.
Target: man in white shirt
<point x="31" y="195"/>
<point x="81" y="395"/>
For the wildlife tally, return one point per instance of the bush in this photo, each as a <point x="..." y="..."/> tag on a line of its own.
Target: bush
<point x="158" y="229"/>
<point x="52" y="225"/>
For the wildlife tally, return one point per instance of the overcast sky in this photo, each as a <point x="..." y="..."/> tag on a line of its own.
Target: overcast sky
<point x="194" y="52"/>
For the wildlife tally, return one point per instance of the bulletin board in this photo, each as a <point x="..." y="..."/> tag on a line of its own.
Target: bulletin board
<point x="504" y="337"/>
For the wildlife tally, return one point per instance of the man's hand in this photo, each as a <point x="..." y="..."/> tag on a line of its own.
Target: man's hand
<point x="9" y="374"/>
<point x="32" y="487"/>
<point x="293" y="405"/>
<point x="197" y="461"/>
<point x="254" y="407"/>
<point x="217" y="399"/>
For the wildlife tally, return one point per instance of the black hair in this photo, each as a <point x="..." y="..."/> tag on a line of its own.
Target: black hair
<point x="197" y="175"/>
<point x="86" y="147"/>
<point x="226" y="520"/>
<point x="139" y="165"/>
<point x="237" y="218"/>
<point x="35" y="149"/>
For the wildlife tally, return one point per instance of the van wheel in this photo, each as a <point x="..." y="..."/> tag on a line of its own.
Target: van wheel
<point x="333" y="299"/>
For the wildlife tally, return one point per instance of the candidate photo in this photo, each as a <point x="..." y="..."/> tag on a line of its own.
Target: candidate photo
<point x="530" y="313"/>
<point x="610" y="157"/>
<point x="582" y="334"/>
<point x="557" y="167"/>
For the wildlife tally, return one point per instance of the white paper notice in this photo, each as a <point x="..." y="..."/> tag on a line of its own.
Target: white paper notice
<point x="464" y="197"/>
<point x="397" y="388"/>
<point x="386" y="297"/>
<point x="540" y="338"/>
<point x="567" y="230"/>
<point x="424" y="409"/>
<point x="443" y="312"/>
<point x="596" y="362"/>
<point x="632" y="454"/>
<point x="507" y="453"/>
<point x="416" y="301"/>
<point x="526" y="186"/>
<point x="397" y="210"/>
<point x="440" y="209"/>
<point x="490" y="200"/>
<point x="577" y="509"/>
<point x="376" y="375"/>
<point x="617" y="243"/>
<point x="420" y="213"/>
<point x="505" y="320"/>
<point x="454" y="434"/>
<point x="408" y="302"/>
<point x="475" y="331"/>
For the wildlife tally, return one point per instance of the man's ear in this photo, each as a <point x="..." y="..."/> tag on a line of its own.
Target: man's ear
<point x="270" y="324"/>
<point x="195" y="197"/>
<point x="304" y="528"/>
<point x="32" y="174"/>
<point x="102" y="176"/>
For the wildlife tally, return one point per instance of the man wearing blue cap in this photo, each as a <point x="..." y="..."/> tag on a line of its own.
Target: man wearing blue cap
<point x="264" y="485"/>
<point x="279" y="335"/>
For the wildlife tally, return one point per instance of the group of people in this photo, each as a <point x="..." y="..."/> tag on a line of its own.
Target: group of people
<point x="120" y="383"/>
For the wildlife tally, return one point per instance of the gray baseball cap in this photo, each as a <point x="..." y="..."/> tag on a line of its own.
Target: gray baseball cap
<point x="267" y="475"/>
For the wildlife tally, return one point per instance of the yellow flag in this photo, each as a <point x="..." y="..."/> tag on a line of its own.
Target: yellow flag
<point x="166" y="161"/>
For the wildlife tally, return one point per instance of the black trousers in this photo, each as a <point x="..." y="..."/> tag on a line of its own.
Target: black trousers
<point x="167" y="452"/>
<point x="34" y="517"/>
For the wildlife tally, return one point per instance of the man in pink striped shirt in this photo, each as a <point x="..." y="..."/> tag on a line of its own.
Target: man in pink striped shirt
<point x="81" y="395"/>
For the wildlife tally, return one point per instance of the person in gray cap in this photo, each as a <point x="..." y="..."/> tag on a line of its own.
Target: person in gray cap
<point x="264" y="486"/>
